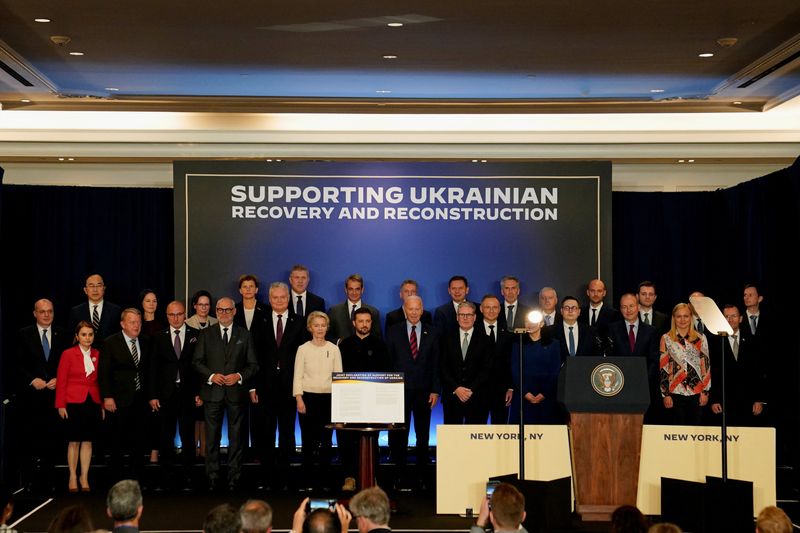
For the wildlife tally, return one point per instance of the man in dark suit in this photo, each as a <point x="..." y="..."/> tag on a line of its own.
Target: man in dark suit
<point x="102" y="315"/>
<point x="123" y="376"/>
<point x="444" y="317"/>
<point x="174" y="392"/>
<point x="500" y="389"/>
<point x="271" y="389"/>
<point x="465" y="364"/>
<point x="226" y="361"/>
<point x="574" y="338"/>
<point x="548" y="303"/>
<point x="512" y="307"/>
<point x="302" y="301"/>
<point x="341" y="315"/>
<point x="630" y="337"/>
<point x="597" y="313"/>
<point x="646" y="298"/>
<point x="414" y="350"/>
<point x="38" y="353"/>
<point x="409" y="287"/>
<point x="745" y="376"/>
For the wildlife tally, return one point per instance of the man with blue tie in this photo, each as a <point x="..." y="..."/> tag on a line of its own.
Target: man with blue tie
<point x="38" y="353"/>
<point x="413" y="349"/>
<point x="574" y="338"/>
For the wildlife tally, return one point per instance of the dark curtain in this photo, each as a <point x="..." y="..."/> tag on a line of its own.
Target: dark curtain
<point x="53" y="237"/>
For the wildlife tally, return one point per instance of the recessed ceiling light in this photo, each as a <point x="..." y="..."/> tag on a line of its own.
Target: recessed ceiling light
<point x="691" y="160"/>
<point x="395" y="24"/>
<point x="656" y="90"/>
<point x="390" y="57"/>
<point x="70" y="159"/>
<point x="383" y="91"/>
<point x="474" y="160"/>
<point x="681" y="161"/>
<point x="25" y="101"/>
<point x="112" y="89"/>
<point x="483" y="161"/>
<point x="76" y="53"/>
<point x="737" y="102"/>
<point x="42" y="20"/>
<point x="60" y="158"/>
<point x="705" y="54"/>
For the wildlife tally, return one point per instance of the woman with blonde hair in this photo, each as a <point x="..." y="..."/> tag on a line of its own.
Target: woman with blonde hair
<point x="685" y="370"/>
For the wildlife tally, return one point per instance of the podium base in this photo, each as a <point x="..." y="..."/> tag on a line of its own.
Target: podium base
<point x="595" y="513"/>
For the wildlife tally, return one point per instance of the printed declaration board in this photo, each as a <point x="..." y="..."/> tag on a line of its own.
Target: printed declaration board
<point x="367" y="397"/>
<point x="692" y="453"/>
<point x="467" y="456"/>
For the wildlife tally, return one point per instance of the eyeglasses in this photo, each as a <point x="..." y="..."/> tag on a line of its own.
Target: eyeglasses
<point x="224" y="310"/>
<point x="465" y="315"/>
<point x="175" y="315"/>
<point x="570" y="308"/>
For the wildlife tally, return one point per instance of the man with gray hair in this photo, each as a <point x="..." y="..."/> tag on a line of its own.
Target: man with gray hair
<point x="124" y="506"/>
<point x="371" y="509"/>
<point x="548" y="300"/>
<point x="256" y="516"/>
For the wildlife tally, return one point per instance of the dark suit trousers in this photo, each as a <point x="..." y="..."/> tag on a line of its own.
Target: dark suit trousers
<point x="215" y="412"/>
<point x="276" y="410"/>
<point x="685" y="411"/>
<point x="177" y="409"/>
<point x="497" y="407"/>
<point x="131" y="426"/>
<point x="316" y="437"/>
<point x="416" y="403"/>
<point x="473" y="411"/>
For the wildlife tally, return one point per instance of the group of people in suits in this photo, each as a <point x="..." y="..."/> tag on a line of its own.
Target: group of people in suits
<point x="240" y="360"/>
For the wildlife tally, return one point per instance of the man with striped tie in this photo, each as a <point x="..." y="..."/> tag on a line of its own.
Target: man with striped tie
<point x="100" y="313"/>
<point x="123" y="377"/>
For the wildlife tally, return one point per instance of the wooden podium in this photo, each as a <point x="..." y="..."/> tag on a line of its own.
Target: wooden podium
<point x="606" y="398"/>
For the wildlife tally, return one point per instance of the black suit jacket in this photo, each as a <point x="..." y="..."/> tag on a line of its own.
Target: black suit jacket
<point x="342" y="326"/>
<point x="445" y="319"/>
<point x="421" y="374"/>
<point x="165" y="365"/>
<point x="520" y="312"/>
<point x="745" y="377"/>
<point x="647" y="342"/>
<point x="116" y="371"/>
<point x="588" y="343"/>
<point x="109" y="319"/>
<point x="312" y="303"/>
<point x="272" y="357"/>
<point x="606" y="316"/>
<point x="500" y="373"/>
<point x="472" y="372"/>
<point x="659" y="320"/>
<point x="30" y="361"/>
<point x="397" y="316"/>
<point x="212" y="356"/>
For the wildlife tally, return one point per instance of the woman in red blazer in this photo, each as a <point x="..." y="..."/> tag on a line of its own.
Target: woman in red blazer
<point x="78" y="402"/>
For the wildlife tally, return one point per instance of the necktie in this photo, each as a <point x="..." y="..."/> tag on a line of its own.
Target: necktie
<point x="632" y="338"/>
<point x="225" y="336"/>
<point x="510" y="317"/>
<point x="700" y="327"/>
<point x="45" y="345"/>
<point x="95" y="319"/>
<point x="594" y="317"/>
<point x="571" y="341"/>
<point x="353" y="312"/>
<point x="177" y="347"/>
<point x="754" y="322"/>
<point x="465" y="345"/>
<point x="135" y="355"/>
<point x="299" y="309"/>
<point x="491" y="333"/>
<point x="413" y="343"/>
<point x="735" y="347"/>
<point x="279" y="331"/>
<point x="647" y="318"/>
<point x="547" y="320"/>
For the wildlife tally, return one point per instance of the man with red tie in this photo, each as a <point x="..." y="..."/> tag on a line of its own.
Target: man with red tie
<point x="413" y="349"/>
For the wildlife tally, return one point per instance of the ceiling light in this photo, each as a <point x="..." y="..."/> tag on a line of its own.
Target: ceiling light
<point x="483" y="161"/>
<point x="656" y="90"/>
<point x="705" y="54"/>
<point x="383" y="91"/>
<point x="395" y="24"/>
<point x="112" y="89"/>
<point x="76" y="53"/>
<point x="737" y="102"/>
<point x="691" y="161"/>
<point x="390" y="57"/>
<point x="70" y="159"/>
<point x="681" y="161"/>
<point x="60" y="158"/>
<point x="25" y="101"/>
<point x="474" y="160"/>
<point x="42" y="20"/>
